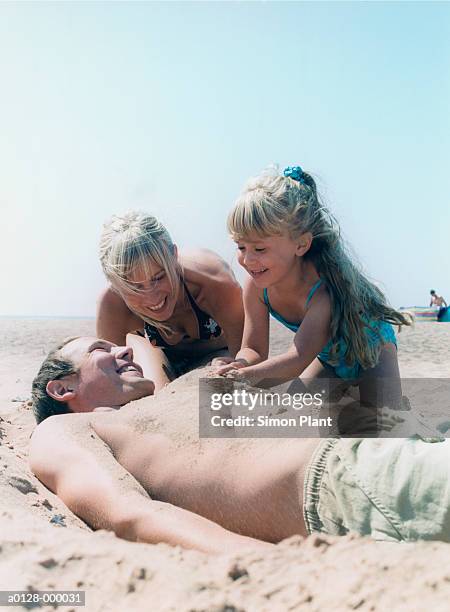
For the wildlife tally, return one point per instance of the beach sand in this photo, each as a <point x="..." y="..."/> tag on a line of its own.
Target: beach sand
<point x="44" y="546"/>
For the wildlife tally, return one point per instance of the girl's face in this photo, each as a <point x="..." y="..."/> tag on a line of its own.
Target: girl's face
<point x="155" y="297"/>
<point x="268" y="260"/>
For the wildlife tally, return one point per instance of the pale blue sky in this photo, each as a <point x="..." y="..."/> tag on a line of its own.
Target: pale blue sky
<point x="170" y="107"/>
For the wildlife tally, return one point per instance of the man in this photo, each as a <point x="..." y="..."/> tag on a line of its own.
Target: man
<point x="439" y="301"/>
<point x="109" y="373"/>
<point x="143" y="473"/>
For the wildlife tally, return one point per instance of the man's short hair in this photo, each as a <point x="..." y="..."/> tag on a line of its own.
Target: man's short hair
<point x="53" y="368"/>
<point x="432" y="291"/>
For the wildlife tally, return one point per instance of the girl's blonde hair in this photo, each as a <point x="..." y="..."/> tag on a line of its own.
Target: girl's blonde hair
<point x="272" y="204"/>
<point x="136" y="241"/>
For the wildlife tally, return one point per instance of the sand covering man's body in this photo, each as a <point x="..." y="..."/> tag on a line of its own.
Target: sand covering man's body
<point x="143" y="473"/>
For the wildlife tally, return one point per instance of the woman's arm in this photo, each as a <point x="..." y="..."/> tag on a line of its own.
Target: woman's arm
<point x="226" y="308"/>
<point x="310" y="339"/>
<point x="220" y="294"/>
<point x="114" y="319"/>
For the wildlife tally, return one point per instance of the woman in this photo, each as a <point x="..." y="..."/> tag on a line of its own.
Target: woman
<point x="179" y="309"/>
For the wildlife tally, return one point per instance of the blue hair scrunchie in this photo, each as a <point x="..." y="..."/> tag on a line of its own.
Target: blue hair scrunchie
<point x="294" y="172"/>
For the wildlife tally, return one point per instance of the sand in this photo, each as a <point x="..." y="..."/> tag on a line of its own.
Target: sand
<point x="44" y="546"/>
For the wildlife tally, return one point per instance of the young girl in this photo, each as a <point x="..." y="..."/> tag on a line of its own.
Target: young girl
<point x="177" y="309"/>
<point x="301" y="274"/>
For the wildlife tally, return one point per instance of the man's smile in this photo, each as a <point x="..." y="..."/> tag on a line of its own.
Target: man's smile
<point x="130" y="367"/>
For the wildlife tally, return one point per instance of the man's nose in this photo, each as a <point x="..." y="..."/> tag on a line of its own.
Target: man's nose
<point x="124" y="352"/>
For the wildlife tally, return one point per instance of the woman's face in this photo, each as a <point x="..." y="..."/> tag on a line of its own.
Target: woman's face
<point x="153" y="296"/>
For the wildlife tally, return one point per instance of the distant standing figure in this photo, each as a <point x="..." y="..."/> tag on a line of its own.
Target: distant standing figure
<point x="438" y="300"/>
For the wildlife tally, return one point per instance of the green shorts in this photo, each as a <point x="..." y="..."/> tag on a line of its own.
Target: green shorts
<point x="389" y="489"/>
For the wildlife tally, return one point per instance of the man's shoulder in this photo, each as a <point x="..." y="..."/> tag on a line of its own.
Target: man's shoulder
<point x="52" y="442"/>
<point x="71" y="422"/>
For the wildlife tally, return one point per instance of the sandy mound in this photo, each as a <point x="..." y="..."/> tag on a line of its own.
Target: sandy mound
<point x="44" y="546"/>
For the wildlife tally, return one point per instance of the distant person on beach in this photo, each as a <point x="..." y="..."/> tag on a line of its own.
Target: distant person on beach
<point x="144" y="474"/>
<point x="301" y="273"/>
<point x="179" y="309"/>
<point x="438" y="300"/>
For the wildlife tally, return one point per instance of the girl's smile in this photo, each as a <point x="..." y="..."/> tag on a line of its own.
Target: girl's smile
<point x="268" y="259"/>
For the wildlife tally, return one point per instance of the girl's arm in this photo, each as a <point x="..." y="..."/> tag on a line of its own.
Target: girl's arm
<point x="310" y="339"/>
<point x="255" y="340"/>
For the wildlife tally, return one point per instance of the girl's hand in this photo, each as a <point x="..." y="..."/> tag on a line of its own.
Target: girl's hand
<point x="232" y="365"/>
<point x="235" y="374"/>
<point x="239" y="373"/>
<point x="221" y="361"/>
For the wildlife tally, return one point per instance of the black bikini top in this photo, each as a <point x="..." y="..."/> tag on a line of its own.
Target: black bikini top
<point x="207" y="327"/>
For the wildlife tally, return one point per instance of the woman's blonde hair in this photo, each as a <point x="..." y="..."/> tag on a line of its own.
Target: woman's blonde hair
<point x="271" y="204"/>
<point x="136" y="241"/>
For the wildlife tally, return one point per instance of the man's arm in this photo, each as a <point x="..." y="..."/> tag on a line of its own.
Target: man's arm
<point x="72" y="461"/>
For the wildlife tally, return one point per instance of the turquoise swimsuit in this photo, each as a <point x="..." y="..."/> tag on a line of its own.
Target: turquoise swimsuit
<point x="378" y="331"/>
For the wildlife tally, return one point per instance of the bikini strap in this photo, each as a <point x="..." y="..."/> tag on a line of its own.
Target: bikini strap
<point x="313" y="290"/>
<point x="308" y="299"/>
<point x="196" y="308"/>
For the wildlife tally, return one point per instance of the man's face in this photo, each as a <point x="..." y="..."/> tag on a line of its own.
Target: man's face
<point x="107" y="375"/>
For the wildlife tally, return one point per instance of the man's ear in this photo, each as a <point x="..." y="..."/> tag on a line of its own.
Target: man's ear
<point x="175" y="251"/>
<point x="304" y="243"/>
<point x="62" y="389"/>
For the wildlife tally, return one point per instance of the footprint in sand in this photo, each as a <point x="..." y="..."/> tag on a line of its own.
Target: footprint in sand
<point x="22" y="484"/>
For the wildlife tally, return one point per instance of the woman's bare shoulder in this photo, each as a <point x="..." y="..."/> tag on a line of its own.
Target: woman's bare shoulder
<point x="112" y="308"/>
<point x="108" y="298"/>
<point x="206" y="266"/>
